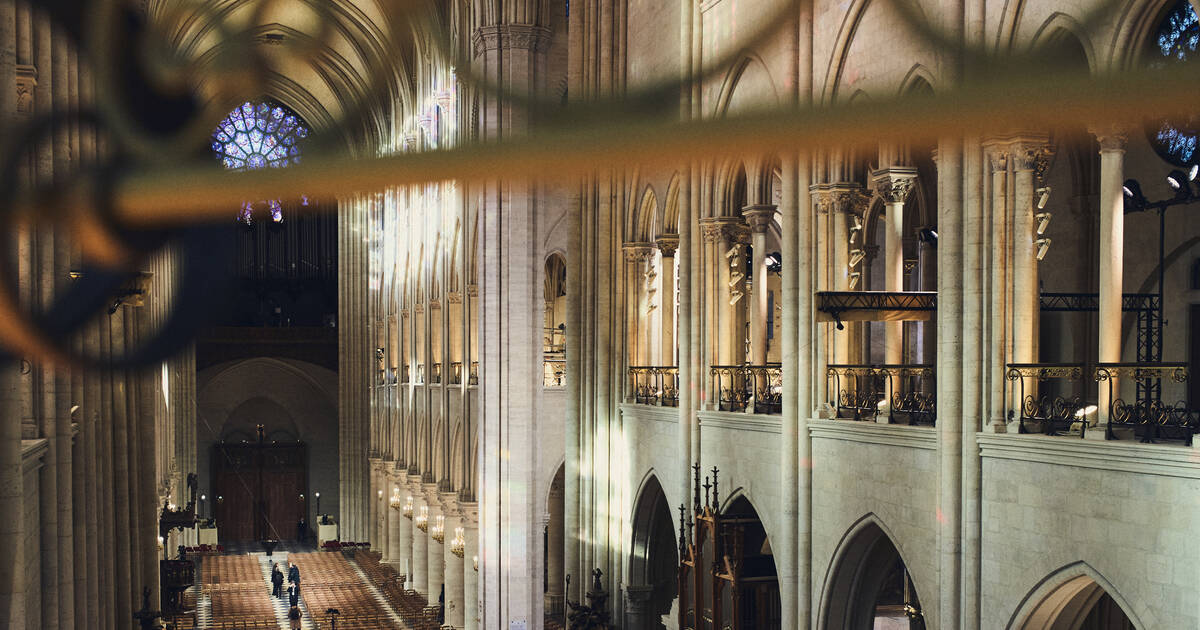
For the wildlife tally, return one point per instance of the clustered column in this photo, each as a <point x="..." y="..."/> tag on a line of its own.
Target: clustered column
<point x="894" y="185"/>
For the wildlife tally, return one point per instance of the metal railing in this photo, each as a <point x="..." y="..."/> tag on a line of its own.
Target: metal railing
<point x="655" y="385"/>
<point x="554" y="372"/>
<point x="1149" y="419"/>
<point x="456" y="373"/>
<point x="756" y="388"/>
<point x="906" y="393"/>
<point x="1038" y="387"/>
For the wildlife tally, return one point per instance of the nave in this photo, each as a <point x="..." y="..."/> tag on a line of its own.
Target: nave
<point x="235" y="594"/>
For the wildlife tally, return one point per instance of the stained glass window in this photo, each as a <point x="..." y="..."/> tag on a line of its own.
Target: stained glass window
<point x="259" y="135"/>
<point x="1178" y="37"/>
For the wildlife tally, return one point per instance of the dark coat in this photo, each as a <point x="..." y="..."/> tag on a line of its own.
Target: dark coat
<point x="294" y="574"/>
<point x="276" y="577"/>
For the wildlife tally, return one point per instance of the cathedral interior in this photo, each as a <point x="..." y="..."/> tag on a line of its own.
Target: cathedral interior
<point x="628" y="314"/>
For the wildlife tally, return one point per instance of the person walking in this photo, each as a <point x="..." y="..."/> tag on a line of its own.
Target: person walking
<point x="276" y="581"/>
<point x="294" y="595"/>
<point x="294" y="617"/>
<point x="294" y="575"/>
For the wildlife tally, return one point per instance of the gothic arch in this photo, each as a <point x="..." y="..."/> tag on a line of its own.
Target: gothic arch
<point x="1064" y="599"/>
<point x="1060" y="31"/>
<point x="653" y="551"/>
<point x="733" y="79"/>
<point x="647" y="215"/>
<point x="855" y="574"/>
<point x="670" y="209"/>
<point x="1135" y="26"/>
<point x="919" y="78"/>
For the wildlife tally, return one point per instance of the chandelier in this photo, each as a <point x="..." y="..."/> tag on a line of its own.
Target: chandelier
<point x="439" y="529"/>
<point x="394" y="502"/>
<point x="422" y="519"/>
<point x="458" y="544"/>
<point x="407" y="509"/>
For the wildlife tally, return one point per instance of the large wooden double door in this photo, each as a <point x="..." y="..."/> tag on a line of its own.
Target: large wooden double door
<point x="260" y="486"/>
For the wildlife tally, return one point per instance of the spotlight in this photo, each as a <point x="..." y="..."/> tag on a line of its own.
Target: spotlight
<point x="1179" y="182"/>
<point x="1043" y="194"/>
<point x="1134" y="199"/>
<point x="775" y="262"/>
<point x="856" y="256"/>
<point x="1043" y="221"/>
<point x="1084" y="411"/>
<point x="1043" y="247"/>
<point x="927" y="235"/>
<point x="1193" y="172"/>
<point x="854" y="281"/>
<point x="855" y="228"/>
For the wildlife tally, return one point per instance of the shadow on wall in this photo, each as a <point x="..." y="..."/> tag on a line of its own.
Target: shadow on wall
<point x="294" y="400"/>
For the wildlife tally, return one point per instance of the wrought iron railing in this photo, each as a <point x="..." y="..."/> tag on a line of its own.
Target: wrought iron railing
<point x="436" y="374"/>
<point x="655" y="385"/>
<point x="1042" y="402"/>
<point x="1149" y="419"/>
<point x="757" y="388"/>
<point x="456" y="373"/>
<point x="906" y="393"/>
<point x="554" y="372"/>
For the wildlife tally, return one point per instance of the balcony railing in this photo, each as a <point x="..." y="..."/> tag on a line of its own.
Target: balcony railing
<point x="906" y="393"/>
<point x="456" y="373"/>
<point x="437" y="374"/>
<point x="655" y="385"/>
<point x="757" y="388"/>
<point x="1038" y="387"/>
<point x="554" y="372"/>
<point x="1149" y="419"/>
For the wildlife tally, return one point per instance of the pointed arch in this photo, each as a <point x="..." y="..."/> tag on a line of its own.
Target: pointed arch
<point x="670" y="209"/>
<point x="1064" y="599"/>
<point x="1060" y="34"/>
<point x="855" y="572"/>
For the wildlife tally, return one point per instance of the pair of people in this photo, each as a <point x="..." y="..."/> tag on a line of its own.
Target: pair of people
<point x="293" y="578"/>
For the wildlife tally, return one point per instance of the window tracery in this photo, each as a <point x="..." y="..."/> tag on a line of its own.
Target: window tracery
<point x="1176" y="41"/>
<point x="260" y="135"/>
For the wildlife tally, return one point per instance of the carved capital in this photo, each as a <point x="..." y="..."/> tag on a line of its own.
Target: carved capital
<point x="849" y="198"/>
<point x="1029" y="152"/>
<point x="472" y="290"/>
<point x="731" y="229"/>
<point x="435" y="304"/>
<point x="637" y="252"/>
<point x="454" y="297"/>
<point x="505" y="36"/>
<point x="668" y="245"/>
<point x="996" y="153"/>
<point x="894" y="184"/>
<point x="822" y="198"/>
<point x="26" y="82"/>
<point x="1111" y="138"/>
<point x="759" y="217"/>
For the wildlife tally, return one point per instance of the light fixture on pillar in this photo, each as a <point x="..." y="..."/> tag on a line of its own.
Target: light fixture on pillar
<point x="1043" y="246"/>
<point x="318" y="497"/>
<point x="395" y="502"/>
<point x="458" y="544"/>
<point x="407" y="510"/>
<point x="438" y="530"/>
<point x="856" y="256"/>
<point x="774" y="262"/>
<point x="854" y="277"/>
<point x="1043" y="221"/>
<point x="855" y="227"/>
<point x="422" y="519"/>
<point x="928" y="235"/>
<point x="1043" y="196"/>
<point x="475" y="563"/>
<point x="1134" y="199"/>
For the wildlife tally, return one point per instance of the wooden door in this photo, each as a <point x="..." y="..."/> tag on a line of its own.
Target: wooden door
<point x="260" y="487"/>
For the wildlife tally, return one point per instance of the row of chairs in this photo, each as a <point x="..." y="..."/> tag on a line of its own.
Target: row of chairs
<point x="238" y="593"/>
<point x="330" y="581"/>
<point x="411" y="606"/>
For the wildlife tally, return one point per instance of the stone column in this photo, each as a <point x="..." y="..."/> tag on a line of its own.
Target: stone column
<point x="997" y="161"/>
<point x="554" y="559"/>
<point x="639" y="610"/>
<point x="405" y="535"/>
<point x="1027" y="155"/>
<point x="731" y="292"/>
<point x="420" y="554"/>
<point x="453" y="564"/>
<point x="1112" y="267"/>
<point x="435" y="556"/>
<point x="470" y="524"/>
<point x="394" y="518"/>
<point x="846" y="203"/>
<point x="667" y="245"/>
<point x="894" y="185"/>
<point x="759" y="217"/>
<point x="707" y="279"/>
<point x="636" y="256"/>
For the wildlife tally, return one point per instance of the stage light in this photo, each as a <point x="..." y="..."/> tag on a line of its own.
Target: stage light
<point x="1193" y="172"/>
<point x="1043" y="247"/>
<point x="927" y="235"/>
<point x="1180" y="183"/>
<point x="1043" y="194"/>
<point x="1134" y="199"/>
<point x="854" y="281"/>
<point x="856" y="256"/>
<point x="1043" y="221"/>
